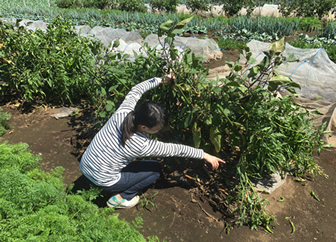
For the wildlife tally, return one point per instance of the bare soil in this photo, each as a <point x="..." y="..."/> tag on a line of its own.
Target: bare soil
<point x="179" y="212"/>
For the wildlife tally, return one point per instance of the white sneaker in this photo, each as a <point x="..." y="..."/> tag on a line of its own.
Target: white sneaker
<point x="113" y="202"/>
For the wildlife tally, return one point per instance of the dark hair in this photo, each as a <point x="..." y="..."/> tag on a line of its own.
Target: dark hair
<point x="148" y="113"/>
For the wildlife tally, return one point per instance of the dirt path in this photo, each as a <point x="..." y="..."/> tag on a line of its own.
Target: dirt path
<point x="177" y="216"/>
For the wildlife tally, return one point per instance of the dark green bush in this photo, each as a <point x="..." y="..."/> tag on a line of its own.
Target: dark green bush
<point x="132" y="6"/>
<point x="198" y="5"/>
<point x="306" y="8"/>
<point x="46" y="65"/>
<point x="164" y="5"/>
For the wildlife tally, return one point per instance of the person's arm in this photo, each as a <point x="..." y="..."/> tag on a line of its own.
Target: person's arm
<point x="154" y="148"/>
<point x="136" y="93"/>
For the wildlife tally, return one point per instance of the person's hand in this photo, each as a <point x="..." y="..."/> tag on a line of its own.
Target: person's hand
<point x="169" y="78"/>
<point x="213" y="160"/>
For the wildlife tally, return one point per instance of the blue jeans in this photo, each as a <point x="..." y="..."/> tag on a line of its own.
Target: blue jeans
<point x="134" y="177"/>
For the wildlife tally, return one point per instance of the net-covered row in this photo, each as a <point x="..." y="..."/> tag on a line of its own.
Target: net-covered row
<point x="315" y="72"/>
<point x="132" y="41"/>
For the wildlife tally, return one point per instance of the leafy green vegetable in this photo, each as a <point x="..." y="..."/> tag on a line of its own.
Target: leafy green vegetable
<point x="34" y="205"/>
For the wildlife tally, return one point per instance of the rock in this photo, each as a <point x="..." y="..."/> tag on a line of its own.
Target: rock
<point x="64" y="112"/>
<point x="269" y="183"/>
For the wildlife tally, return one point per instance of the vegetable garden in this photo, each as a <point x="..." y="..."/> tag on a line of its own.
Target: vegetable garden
<point x="238" y="118"/>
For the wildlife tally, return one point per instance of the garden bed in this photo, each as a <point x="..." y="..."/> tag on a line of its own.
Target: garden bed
<point x="181" y="212"/>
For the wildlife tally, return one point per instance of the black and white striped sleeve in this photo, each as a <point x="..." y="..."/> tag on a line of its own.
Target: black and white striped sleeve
<point x="154" y="148"/>
<point x="136" y="93"/>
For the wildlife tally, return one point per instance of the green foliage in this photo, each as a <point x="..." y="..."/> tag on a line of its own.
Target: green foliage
<point x="100" y="4"/>
<point x="329" y="31"/>
<point x="4" y="117"/>
<point x="306" y="42"/>
<point x="232" y="7"/>
<point x="269" y="25"/>
<point x="230" y="44"/>
<point x="8" y="4"/>
<point x="46" y="65"/>
<point x="35" y="207"/>
<point x="308" y="23"/>
<point x="164" y="5"/>
<point x="307" y="8"/>
<point x="198" y="5"/>
<point x="273" y="134"/>
<point x="238" y="111"/>
<point x="145" y="201"/>
<point x="132" y="6"/>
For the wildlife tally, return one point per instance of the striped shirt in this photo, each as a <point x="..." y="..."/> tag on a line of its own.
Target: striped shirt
<point x="103" y="160"/>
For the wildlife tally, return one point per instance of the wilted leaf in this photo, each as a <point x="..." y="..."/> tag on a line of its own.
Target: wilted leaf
<point x="277" y="46"/>
<point x="215" y="138"/>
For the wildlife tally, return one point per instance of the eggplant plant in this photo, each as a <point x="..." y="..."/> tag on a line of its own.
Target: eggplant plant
<point x="240" y="115"/>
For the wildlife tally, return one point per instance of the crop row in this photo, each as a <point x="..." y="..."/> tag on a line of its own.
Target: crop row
<point x="150" y="22"/>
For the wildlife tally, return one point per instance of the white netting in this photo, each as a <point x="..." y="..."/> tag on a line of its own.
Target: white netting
<point x="96" y="30"/>
<point x="118" y="33"/>
<point x="83" y="29"/>
<point x="105" y="40"/>
<point x="315" y="72"/>
<point x="106" y="31"/>
<point x="39" y="24"/>
<point x="132" y="37"/>
<point x="153" y="40"/>
<point x="206" y="48"/>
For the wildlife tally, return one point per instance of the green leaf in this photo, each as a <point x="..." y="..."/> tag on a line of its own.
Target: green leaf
<point x="114" y="70"/>
<point x="102" y="114"/>
<point x="281" y="80"/>
<point x="292" y="58"/>
<point x="109" y="106"/>
<point x="290" y="89"/>
<point x="116" y="43"/>
<point x="166" y="26"/>
<point x="217" y="89"/>
<point x="182" y="23"/>
<point x="252" y="60"/>
<point x="234" y="84"/>
<point x="188" y="120"/>
<point x="196" y="135"/>
<point x="208" y="120"/>
<point x="169" y="40"/>
<point x="102" y="91"/>
<point x="177" y="31"/>
<point x="238" y="68"/>
<point x="254" y="71"/>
